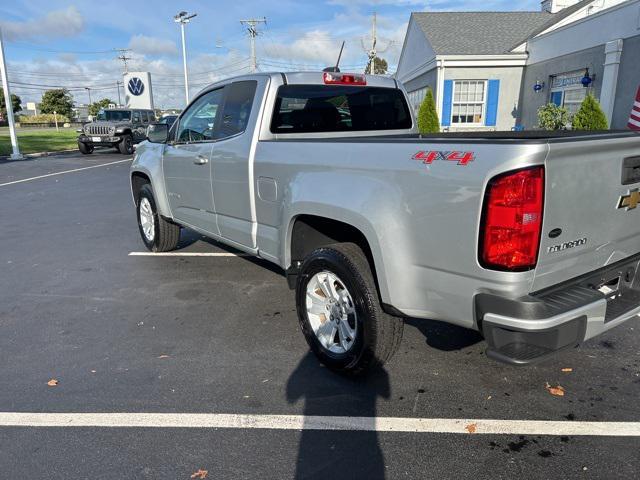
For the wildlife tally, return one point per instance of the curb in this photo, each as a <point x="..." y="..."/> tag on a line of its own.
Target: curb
<point x="38" y="155"/>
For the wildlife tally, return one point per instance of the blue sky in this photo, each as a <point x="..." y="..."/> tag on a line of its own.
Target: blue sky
<point x="66" y="43"/>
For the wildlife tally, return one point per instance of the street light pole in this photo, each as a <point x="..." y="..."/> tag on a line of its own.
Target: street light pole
<point x="15" y="155"/>
<point x="183" y="18"/>
<point x="88" y="89"/>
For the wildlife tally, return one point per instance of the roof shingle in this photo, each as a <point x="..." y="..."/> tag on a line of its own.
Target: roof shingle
<point x="485" y="33"/>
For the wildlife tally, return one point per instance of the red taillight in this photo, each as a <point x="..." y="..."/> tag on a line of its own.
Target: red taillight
<point x="333" y="78"/>
<point x="512" y="220"/>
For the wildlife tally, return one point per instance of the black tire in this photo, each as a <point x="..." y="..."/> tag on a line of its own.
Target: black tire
<point x="166" y="234"/>
<point x="126" y="145"/>
<point x="84" y="148"/>
<point x="378" y="334"/>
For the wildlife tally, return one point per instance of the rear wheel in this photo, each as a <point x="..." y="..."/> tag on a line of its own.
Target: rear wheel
<point x="126" y="145"/>
<point x="158" y="234"/>
<point x="84" y="148"/>
<point x="340" y="313"/>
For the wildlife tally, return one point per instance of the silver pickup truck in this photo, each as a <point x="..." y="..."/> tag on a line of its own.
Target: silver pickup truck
<point x="530" y="238"/>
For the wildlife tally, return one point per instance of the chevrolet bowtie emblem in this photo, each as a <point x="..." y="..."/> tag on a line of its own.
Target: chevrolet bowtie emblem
<point x="630" y="200"/>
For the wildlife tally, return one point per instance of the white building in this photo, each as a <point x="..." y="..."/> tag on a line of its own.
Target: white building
<point x="483" y="66"/>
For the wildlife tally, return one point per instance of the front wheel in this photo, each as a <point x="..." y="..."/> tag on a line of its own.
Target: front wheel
<point x="126" y="145"/>
<point x="84" y="148"/>
<point x="340" y="313"/>
<point x="158" y="234"/>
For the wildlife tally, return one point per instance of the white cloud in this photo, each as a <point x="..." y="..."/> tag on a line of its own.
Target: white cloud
<point x="152" y="45"/>
<point x="58" y="23"/>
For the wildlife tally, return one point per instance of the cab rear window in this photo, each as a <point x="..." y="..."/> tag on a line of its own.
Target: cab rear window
<point x="337" y="108"/>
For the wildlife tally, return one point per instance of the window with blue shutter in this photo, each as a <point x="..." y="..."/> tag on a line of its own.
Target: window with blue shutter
<point x="493" y="96"/>
<point x="447" y="99"/>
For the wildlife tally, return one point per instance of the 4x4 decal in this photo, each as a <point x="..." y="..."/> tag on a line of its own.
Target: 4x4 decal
<point x="428" y="157"/>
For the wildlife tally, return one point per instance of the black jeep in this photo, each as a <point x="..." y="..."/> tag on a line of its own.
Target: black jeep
<point x="117" y="127"/>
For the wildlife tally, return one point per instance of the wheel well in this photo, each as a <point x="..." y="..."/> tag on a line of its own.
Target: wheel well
<point x="310" y="232"/>
<point x="138" y="179"/>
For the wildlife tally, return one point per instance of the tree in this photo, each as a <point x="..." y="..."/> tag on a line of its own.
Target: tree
<point x="590" y="116"/>
<point x="552" y="117"/>
<point x="16" y="105"/>
<point x="59" y="101"/>
<point x="428" y="121"/>
<point x="95" y="107"/>
<point x="380" y="66"/>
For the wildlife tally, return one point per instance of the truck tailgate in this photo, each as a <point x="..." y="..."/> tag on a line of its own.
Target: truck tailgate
<point x="589" y="195"/>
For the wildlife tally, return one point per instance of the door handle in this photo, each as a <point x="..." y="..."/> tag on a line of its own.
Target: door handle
<point x="201" y="160"/>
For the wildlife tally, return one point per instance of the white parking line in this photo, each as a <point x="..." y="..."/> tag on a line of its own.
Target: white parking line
<point x="187" y="254"/>
<point x="302" y="422"/>
<point x="63" y="172"/>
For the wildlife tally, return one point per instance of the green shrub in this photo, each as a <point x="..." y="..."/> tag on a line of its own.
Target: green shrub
<point x="552" y="117"/>
<point x="428" y="121"/>
<point x="42" y="118"/>
<point x="590" y="116"/>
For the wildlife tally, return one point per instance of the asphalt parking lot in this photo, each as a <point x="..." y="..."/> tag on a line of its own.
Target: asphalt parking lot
<point x="130" y="334"/>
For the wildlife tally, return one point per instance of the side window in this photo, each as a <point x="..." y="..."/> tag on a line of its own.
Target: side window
<point x="198" y="123"/>
<point x="145" y="117"/>
<point x="136" y="116"/>
<point x="237" y="108"/>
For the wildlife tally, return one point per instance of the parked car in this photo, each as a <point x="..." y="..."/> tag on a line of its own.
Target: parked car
<point x="530" y="238"/>
<point x="120" y="128"/>
<point x="169" y="119"/>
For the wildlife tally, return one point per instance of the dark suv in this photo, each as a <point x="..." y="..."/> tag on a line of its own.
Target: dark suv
<point x="117" y="127"/>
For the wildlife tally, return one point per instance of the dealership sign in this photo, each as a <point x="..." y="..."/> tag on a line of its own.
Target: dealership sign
<point x="138" y="91"/>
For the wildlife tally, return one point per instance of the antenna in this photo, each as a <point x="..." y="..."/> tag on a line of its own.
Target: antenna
<point x="337" y="67"/>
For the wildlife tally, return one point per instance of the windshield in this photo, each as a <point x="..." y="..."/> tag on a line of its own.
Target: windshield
<point x="114" y="115"/>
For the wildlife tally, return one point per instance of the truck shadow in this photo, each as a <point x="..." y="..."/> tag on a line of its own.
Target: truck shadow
<point x="444" y="336"/>
<point x="337" y="454"/>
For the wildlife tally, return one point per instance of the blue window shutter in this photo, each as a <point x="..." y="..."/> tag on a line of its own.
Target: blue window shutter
<point x="447" y="98"/>
<point x="493" y="95"/>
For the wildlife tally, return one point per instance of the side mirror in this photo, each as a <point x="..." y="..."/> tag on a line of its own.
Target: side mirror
<point x="158" y="133"/>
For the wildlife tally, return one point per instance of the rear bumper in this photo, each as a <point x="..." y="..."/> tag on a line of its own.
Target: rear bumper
<point x="528" y="329"/>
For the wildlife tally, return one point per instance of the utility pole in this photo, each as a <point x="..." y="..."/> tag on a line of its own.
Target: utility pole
<point x="252" y="28"/>
<point x="183" y="18"/>
<point x="15" y="155"/>
<point x="123" y="57"/>
<point x="88" y="89"/>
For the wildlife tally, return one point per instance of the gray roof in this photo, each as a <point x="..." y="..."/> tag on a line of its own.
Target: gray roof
<point x="485" y="33"/>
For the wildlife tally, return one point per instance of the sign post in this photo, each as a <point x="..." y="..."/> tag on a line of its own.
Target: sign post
<point x="15" y="155"/>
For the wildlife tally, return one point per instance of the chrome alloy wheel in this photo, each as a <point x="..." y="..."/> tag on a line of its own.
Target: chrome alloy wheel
<point x="147" y="220"/>
<point x="331" y="312"/>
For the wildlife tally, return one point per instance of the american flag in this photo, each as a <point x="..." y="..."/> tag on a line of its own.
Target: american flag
<point x="634" y="118"/>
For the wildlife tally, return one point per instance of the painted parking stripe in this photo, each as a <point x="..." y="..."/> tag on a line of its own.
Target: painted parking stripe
<point x="64" y="172"/>
<point x="187" y="254"/>
<point x="302" y="422"/>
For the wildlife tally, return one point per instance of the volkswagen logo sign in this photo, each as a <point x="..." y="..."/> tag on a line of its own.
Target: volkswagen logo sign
<point x="135" y="86"/>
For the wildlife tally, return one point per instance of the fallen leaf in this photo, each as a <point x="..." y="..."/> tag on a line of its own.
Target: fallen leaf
<point x="163" y="356"/>
<point x="53" y="382"/>
<point x="557" y="391"/>
<point x="471" y="428"/>
<point x="200" y="474"/>
<point x="567" y="370"/>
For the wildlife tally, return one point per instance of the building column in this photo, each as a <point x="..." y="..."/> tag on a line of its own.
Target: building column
<point x="612" y="55"/>
<point x="440" y="86"/>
